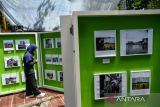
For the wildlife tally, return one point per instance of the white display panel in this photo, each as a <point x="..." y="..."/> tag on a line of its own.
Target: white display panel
<point x="48" y="43"/>
<point x="110" y="85"/>
<point x="22" y="44"/>
<point x="8" y="45"/>
<point x="140" y="82"/>
<point x="50" y="74"/>
<point x="58" y="42"/>
<point x="105" y="43"/>
<point x="60" y="76"/>
<point x="136" y="42"/>
<point x="12" y="62"/>
<point x="12" y="78"/>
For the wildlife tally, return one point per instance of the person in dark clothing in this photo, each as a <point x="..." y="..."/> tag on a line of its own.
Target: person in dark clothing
<point x="28" y="60"/>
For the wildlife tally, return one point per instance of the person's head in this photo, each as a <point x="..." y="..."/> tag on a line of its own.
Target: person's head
<point x="32" y="48"/>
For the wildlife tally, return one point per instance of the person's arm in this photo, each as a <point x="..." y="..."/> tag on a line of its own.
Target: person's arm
<point x="30" y="63"/>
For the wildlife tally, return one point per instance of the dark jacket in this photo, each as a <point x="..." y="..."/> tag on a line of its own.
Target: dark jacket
<point x="28" y="59"/>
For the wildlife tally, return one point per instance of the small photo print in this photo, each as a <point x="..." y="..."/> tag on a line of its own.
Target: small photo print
<point x="8" y="45"/>
<point x="60" y="76"/>
<point x="60" y="59"/>
<point x="12" y="62"/>
<point x="55" y="59"/>
<point x="48" y="58"/>
<point x="140" y="83"/>
<point x="10" y="79"/>
<point x="110" y="85"/>
<point x="105" y="43"/>
<point x="136" y="42"/>
<point x="48" y="43"/>
<point x="50" y="74"/>
<point x="22" y="44"/>
<point x="58" y="42"/>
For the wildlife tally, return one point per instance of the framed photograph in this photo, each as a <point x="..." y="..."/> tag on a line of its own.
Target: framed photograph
<point x="22" y="44"/>
<point x="58" y="42"/>
<point x="50" y="74"/>
<point x="140" y="82"/>
<point x="136" y="42"/>
<point x="60" y="59"/>
<point x="10" y="79"/>
<point x="60" y="76"/>
<point x="48" y="58"/>
<point x="55" y="59"/>
<point x="48" y="43"/>
<point x="110" y="85"/>
<point x="8" y="45"/>
<point x="105" y="43"/>
<point x="12" y="62"/>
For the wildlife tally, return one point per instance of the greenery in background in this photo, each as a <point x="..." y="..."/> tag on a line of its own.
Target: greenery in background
<point x="139" y="4"/>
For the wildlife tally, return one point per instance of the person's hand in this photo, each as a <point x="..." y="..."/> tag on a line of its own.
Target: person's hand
<point x="36" y="61"/>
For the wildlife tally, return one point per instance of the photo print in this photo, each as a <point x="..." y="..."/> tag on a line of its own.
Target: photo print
<point x="136" y="42"/>
<point x="48" y="58"/>
<point x="55" y="59"/>
<point x="58" y="42"/>
<point x="8" y="45"/>
<point x="110" y="85"/>
<point x="60" y="59"/>
<point x="140" y="82"/>
<point x="50" y="74"/>
<point x="105" y="43"/>
<point x="12" y="62"/>
<point x="60" y="76"/>
<point x="22" y="44"/>
<point x="10" y="78"/>
<point x="48" y="43"/>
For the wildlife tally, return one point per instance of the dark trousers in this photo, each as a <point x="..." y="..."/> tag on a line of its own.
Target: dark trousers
<point x="31" y="85"/>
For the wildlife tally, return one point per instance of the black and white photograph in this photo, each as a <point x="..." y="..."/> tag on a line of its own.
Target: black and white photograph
<point x="60" y="76"/>
<point x="8" y="45"/>
<point x="50" y="74"/>
<point x="22" y="44"/>
<point x="10" y="79"/>
<point x="110" y="85"/>
<point x="58" y="42"/>
<point x="48" y="58"/>
<point x="55" y="59"/>
<point x="140" y="82"/>
<point x="48" y="43"/>
<point x="60" y="59"/>
<point x="12" y="62"/>
<point x="105" y="43"/>
<point x="136" y="42"/>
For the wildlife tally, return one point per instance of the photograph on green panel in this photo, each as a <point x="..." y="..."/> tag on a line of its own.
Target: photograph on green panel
<point x="48" y="58"/>
<point x="8" y="45"/>
<point x="55" y="59"/>
<point x="58" y="42"/>
<point x="60" y="76"/>
<point x="48" y="43"/>
<point x="50" y="74"/>
<point x="60" y="59"/>
<point x="10" y="78"/>
<point x="140" y="83"/>
<point x="22" y="44"/>
<point x="12" y="62"/>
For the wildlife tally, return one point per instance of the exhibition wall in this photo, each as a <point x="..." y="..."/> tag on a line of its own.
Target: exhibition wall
<point x="12" y="48"/>
<point x="122" y="55"/>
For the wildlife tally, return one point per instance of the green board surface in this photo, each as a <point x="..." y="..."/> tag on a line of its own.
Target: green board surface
<point x="21" y="85"/>
<point x="54" y="84"/>
<point x="89" y="65"/>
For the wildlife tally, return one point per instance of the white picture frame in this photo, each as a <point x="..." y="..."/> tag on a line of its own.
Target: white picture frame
<point x="22" y="44"/>
<point x="103" y="87"/>
<point x="140" y="82"/>
<point x="48" y="43"/>
<point x="12" y="78"/>
<point x="105" y="43"/>
<point x="55" y="59"/>
<point x="13" y="61"/>
<point x="8" y="45"/>
<point x="50" y="74"/>
<point x="58" y="42"/>
<point x="136" y="42"/>
<point x="48" y="59"/>
<point x="60" y="76"/>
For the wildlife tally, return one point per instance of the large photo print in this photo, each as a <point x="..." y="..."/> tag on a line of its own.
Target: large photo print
<point x="10" y="78"/>
<point x="12" y="62"/>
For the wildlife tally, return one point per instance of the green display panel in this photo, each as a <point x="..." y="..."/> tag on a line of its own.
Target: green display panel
<point x="53" y="81"/>
<point x="89" y="65"/>
<point x="16" y="51"/>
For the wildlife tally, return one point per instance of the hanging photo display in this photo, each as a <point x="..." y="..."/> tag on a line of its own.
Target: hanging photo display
<point x="53" y="59"/>
<point x="110" y="85"/>
<point x="48" y="58"/>
<point x="60" y="76"/>
<point x="8" y="45"/>
<point x="58" y="42"/>
<point x="10" y="78"/>
<point x="22" y="44"/>
<point x="140" y="82"/>
<point x="12" y="62"/>
<point x="48" y="43"/>
<point x="50" y="74"/>
<point x="136" y="42"/>
<point x="105" y="43"/>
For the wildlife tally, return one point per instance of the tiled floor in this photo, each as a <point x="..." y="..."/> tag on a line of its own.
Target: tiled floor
<point x="14" y="100"/>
